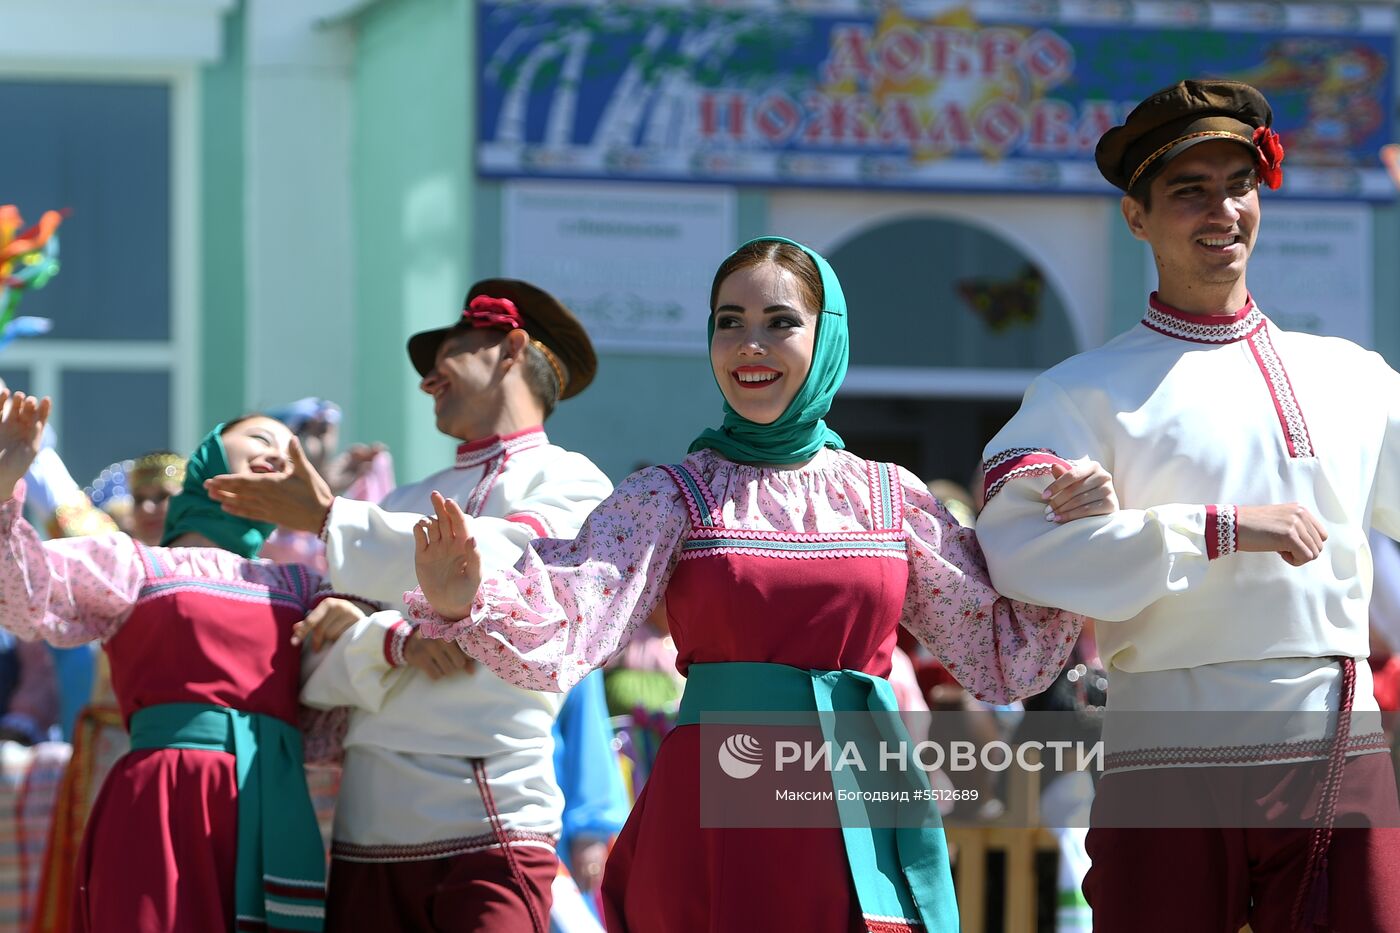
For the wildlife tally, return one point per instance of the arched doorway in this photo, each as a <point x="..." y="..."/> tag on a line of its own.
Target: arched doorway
<point x="954" y="317"/>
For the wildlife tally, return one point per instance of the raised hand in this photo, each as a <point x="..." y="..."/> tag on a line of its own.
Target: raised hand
<point x="1289" y="529"/>
<point x="22" y="420"/>
<point x="447" y="559"/>
<point x="1082" y="489"/>
<point x="297" y="499"/>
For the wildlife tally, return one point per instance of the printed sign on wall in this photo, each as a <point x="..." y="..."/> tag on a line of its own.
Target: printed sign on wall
<point x="979" y="95"/>
<point x="1311" y="269"/>
<point x="634" y="262"/>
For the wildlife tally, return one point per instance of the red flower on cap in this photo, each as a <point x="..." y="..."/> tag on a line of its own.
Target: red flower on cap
<point x="486" y="311"/>
<point x="1269" y="150"/>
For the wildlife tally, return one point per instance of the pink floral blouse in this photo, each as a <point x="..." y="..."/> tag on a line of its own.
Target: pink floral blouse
<point x="568" y="606"/>
<point x="71" y="591"/>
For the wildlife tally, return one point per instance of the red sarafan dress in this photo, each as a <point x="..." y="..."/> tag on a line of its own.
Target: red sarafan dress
<point x="812" y="568"/>
<point x="180" y="625"/>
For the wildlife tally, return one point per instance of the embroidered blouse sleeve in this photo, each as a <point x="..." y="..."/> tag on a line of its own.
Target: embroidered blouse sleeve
<point x="998" y="648"/>
<point x="68" y="591"/>
<point x="1108" y="567"/>
<point x="568" y="605"/>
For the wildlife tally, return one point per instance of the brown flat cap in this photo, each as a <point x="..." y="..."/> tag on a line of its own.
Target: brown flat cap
<point x="508" y="304"/>
<point x="1176" y="118"/>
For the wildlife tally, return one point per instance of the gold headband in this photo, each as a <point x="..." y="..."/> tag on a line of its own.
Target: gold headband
<point x="156" y="468"/>
<point x="1219" y="134"/>
<point x="553" y="362"/>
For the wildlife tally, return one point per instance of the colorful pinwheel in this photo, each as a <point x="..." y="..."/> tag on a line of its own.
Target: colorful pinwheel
<point x="28" y="259"/>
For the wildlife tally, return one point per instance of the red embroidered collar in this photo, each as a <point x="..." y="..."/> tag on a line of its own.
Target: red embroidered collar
<point x="489" y="448"/>
<point x="1203" y="328"/>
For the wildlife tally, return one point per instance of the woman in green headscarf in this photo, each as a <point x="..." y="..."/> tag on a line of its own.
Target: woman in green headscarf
<point x="206" y="823"/>
<point x="786" y="564"/>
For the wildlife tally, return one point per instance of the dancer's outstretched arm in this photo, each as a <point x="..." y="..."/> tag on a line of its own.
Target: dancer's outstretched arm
<point x="567" y="605"/>
<point x="67" y="591"/>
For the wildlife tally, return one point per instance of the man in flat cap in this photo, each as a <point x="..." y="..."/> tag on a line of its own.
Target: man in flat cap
<point x="448" y="803"/>
<point x="1250" y="462"/>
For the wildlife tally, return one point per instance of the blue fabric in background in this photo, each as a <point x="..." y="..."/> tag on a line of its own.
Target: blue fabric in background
<point x="595" y="800"/>
<point x="75" y="669"/>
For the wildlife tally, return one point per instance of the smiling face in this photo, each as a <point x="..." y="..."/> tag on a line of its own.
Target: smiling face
<point x="1202" y="225"/>
<point x="765" y="332"/>
<point x="257" y="445"/>
<point x="464" y="376"/>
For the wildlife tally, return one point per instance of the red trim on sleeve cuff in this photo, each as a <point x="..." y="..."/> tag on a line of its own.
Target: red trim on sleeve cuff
<point x="1014" y="464"/>
<point x="394" y="641"/>
<point x="1220" y="531"/>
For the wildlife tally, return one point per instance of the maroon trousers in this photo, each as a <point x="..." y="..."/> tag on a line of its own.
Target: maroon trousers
<point x="473" y="893"/>
<point x="1214" y="880"/>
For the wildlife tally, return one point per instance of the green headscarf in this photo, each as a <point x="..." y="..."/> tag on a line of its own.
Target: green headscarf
<point x="193" y="510"/>
<point x="799" y="432"/>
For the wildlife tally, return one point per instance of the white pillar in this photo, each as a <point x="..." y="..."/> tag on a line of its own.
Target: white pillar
<point x="299" y="71"/>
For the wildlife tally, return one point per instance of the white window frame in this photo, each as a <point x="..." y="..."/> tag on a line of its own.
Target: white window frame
<point x="179" y="355"/>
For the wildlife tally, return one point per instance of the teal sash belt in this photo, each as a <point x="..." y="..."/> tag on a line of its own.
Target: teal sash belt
<point x="899" y="872"/>
<point x="280" y="878"/>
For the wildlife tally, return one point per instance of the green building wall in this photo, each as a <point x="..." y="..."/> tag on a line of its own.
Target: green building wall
<point x="412" y="204"/>
<point x="425" y="228"/>
<point x="223" y="296"/>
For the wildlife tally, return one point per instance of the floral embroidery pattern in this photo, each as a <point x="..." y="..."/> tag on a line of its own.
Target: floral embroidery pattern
<point x="1016" y="463"/>
<point x="1220" y="531"/>
<point x="1196" y="331"/>
<point x="494" y="454"/>
<point x="568" y="606"/>
<point x="477" y="499"/>
<point x="775" y="544"/>
<point x="1253" y="326"/>
<point x="1290" y="416"/>
<point x="70" y="591"/>
<point x="1262" y="754"/>
<point x="472" y="455"/>
<point x="1227" y="541"/>
<point x="394" y="641"/>
<point x="703" y="508"/>
<point x="705" y="540"/>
